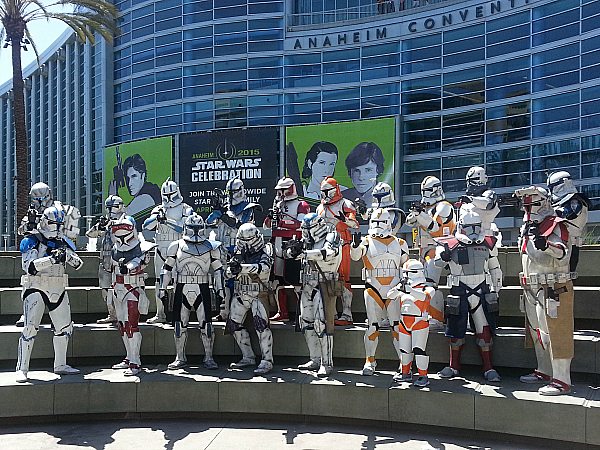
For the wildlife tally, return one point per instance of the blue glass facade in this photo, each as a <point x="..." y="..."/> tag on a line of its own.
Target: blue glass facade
<point x="511" y="84"/>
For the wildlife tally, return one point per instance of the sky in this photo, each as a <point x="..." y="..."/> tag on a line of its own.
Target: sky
<point x="44" y="34"/>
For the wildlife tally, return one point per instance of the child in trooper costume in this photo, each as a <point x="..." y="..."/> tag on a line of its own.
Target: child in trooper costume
<point x="340" y="214"/>
<point x="101" y="229"/>
<point x="321" y="254"/>
<point x="284" y="220"/>
<point x="189" y="263"/>
<point x="382" y="255"/>
<point x="433" y="217"/>
<point x="544" y="244"/>
<point x="167" y="222"/>
<point x="129" y="259"/>
<point x="412" y="296"/>
<point x="250" y="268"/>
<point x="469" y="256"/>
<point x="45" y="253"/>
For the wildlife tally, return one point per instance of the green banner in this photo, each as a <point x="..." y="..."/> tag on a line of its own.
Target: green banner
<point x="357" y="154"/>
<point x="135" y="171"/>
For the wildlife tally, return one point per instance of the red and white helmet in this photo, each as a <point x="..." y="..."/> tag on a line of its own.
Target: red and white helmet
<point x="330" y="191"/>
<point x="431" y="191"/>
<point x="124" y="233"/>
<point x="535" y="202"/>
<point x="286" y="189"/>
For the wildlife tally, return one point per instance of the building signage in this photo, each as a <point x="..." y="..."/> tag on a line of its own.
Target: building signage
<point x="405" y="28"/>
<point x="208" y="160"/>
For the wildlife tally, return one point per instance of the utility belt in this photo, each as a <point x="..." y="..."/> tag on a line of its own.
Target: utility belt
<point x="248" y="287"/>
<point x="380" y="272"/>
<point x="461" y="291"/>
<point x="134" y="280"/>
<point x="27" y="280"/>
<point x="469" y="280"/>
<point x="192" y="279"/>
<point x="168" y="236"/>
<point x="316" y="276"/>
<point x="536" y="279"/>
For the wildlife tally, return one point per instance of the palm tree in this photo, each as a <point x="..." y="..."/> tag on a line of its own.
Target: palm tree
<point x="85" y="18"/>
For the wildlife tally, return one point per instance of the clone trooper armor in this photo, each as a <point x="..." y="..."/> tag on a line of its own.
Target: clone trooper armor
<point x="284" y="219"/>
<point x="101" y="230"/>
<point x="544" y="244"/>
<point x="570" y="205"/>
<point x="340" y="214"/>
<point x="41" y="198"/>
<point x="189" y="263"/>
<point x="413" y="296"/>
<point x="250" y="268"/>
<point x="226" y="219"/>
<point x="321" y="254"/>
<point x="166" y="220"/>
<point x="383" y="197"/>
<point x="469" y="255"/>
<point x="433" y="218"/>
<point x="45" y="254"/>
<point x="383" y="255"/>
<point x="129" y="259"/>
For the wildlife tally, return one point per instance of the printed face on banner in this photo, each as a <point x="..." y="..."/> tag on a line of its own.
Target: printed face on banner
<point x="208" y="160"/>
<point x="135" y="171"/>
<point x="357" y="154"/>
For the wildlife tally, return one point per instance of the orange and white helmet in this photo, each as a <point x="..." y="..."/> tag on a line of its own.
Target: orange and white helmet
<point x="380" y="223"/>
<point x="415" y="272"/>
<point x="330" y="191"/>
<point x="286" y="189"/>
<point x="431" y="191"/>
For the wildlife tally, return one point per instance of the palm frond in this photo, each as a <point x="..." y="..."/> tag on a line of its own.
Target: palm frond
<point x="35" y="50"/>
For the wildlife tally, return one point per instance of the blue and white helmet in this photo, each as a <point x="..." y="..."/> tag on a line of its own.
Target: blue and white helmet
<point x="383" y="196"/>
<point x="236" y="193"/>
<point x="115" y="207"/>
<point x="41" y="196"/>
<point x="171" y="196"/>
<point x="314" y="228"/>
<point x="52" y="222"/>
<point x="193" y="228"/>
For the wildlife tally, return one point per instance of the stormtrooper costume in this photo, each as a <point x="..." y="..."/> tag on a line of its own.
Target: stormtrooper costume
<point x="250" y="268"/>
<point x="129" y="258"/>
<point x="284" y="220"/>
<point x="41" y="198"/>
<point x="382" y="255"/>
<point x="483" y="201"/>
<point x="545" y="245"/>
<point x="101" y="229"/>
<point x="45" y="253"/>
<point x="413" y="296"/>
<point x="189" y="263"/>
<point x="340" y="214"/>
<point x="226" y="219"/>
<point x="570" y="205"/>
<point x="321" y="254"/>
<point x="469" y="255"/>
<point x="433" y="218"/>
<point x="383" y="197"/>
<point x="167" y="222"/>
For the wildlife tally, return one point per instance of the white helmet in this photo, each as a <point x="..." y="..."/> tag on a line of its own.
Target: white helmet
<point x="314" y="228"/>
<point x="41" y="196"/>
<point x="535" y="201"/>
<point x="380" y="223"/>
<point x="170" y="194"/>
<point x="383" y="196"/>
<point x="476" y="176"/>
<point x="414" y="271"/>
<point x="286" y="189"/>
<point x="125" y="233"/>
<point x="249" y="238"/>
<point x="52" y="222"/>
<point x="431" y="191"/>
<point x="193" y="228"/>
<point x="561" y="187"/>
<point x="236" y="193"/>
<point x="469" y="229"/>
<point x="114" y="206"/>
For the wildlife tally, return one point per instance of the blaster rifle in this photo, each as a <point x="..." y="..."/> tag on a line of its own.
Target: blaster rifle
<point x="32" y="218"/>
<point x="295" y="247"/>
<point x="417" y="207"/>
<point x="234" y="262"/>
<point x="508" y="200"/>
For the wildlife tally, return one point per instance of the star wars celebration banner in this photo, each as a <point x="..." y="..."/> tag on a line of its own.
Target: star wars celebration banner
<point x="357" y="154"/>
<point x="135" y="171"/>
<point x="207" y="160"/>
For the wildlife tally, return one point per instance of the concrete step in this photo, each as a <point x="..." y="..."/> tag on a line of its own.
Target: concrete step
<point x="462" y="403"/>
<point x="88" y="300"/>
<point x="100" y="341"/>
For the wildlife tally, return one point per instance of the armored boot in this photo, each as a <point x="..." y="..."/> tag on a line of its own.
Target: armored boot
<point x="125" y="363"/>
<point x="208" y="342"/>
<point x="314" y="350"/>
<point x="61" y="342"/>
<point x="282" y="309"/>
<point x="326" y="356"/>
<point x="135" y="363"/>
<point x="242" y="337"/>
<point x="346" y="317"/>
<point x="24" y="355"/>
<point x="180" y="341"/>
<point x="161" y="316"/>
<point x="266" y="347"/>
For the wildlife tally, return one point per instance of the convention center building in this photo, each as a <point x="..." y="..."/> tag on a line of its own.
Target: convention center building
<point x="512" y="85"/>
